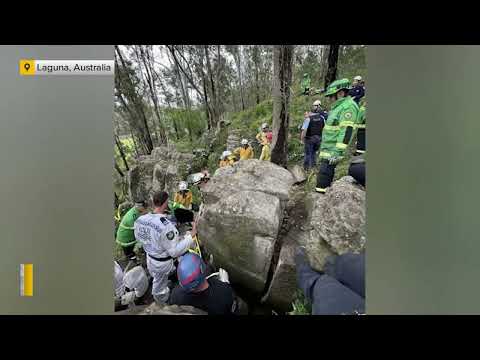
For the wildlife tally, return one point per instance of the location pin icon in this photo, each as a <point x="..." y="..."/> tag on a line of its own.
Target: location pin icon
<point x="26" y="66"/>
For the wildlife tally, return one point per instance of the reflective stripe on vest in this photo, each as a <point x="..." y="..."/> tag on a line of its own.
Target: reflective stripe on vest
<point x="126" y="227"/>
<point x="341" y="145"/>
<point x="126" y="244"/>
<point x="360" y="126"/>
<point x="332" y="127"/>
<point x="325" y="154"/>
<point x="347" y="124"/>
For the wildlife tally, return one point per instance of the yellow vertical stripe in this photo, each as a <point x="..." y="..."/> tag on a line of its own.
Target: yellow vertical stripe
<point x="27" y="279"/>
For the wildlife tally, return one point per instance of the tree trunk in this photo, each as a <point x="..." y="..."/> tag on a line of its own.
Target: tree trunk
<point x="120" y="150"/>
<point x="126" y="88"/>
<point x="147" y="62"/>
<point x="118" y="169"/>
<point x="282" y="79"/>
<point x="332" y="65"/>
<point x="213" y="92"/>
<point x="238" y="60"/>
<point x="256" y="59"/>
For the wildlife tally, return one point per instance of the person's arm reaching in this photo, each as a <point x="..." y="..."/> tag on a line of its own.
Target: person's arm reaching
<point x="176" y="246"/>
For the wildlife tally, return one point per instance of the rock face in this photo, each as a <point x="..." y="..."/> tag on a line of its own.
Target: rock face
<point x="334" y="224"/>
<point x="284" y="281"/>
<point x="161" y="171"/>
<point x="155" y="309"/>
<point x="337" y="222"/>
<point x="298" y="174"/>
<point x="241" y="217"/>
<point x="249" y="175"/>
<point x="233" y="141"/>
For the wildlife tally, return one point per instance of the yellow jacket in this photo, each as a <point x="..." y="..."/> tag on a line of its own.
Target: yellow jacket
<point x="262" y="138"/>
<point x="227" y="162"/>
<point x="244" y="154"/>
<point x="184" y="200"/>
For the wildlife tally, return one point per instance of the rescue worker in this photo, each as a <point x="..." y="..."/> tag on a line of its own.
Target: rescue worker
<point x="245" y="152"/>
<point x="361" y="130"/>
<point x="339" y="289"/>
<point x="162" y="244"/>
<point x="129" y="287"/>
<point x="358" y="90"/>
<point x="125" y="233"/>
<point x="208" y="293"/>
<point x="311" y="134"/>
<point x="183" y="196"/>
<point x="264" y="138"/>
<point x="337" y="132"/>
<point x="226" y="159"/>
<point x="305" y="84"/>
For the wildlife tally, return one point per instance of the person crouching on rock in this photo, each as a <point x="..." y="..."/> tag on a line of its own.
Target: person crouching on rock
<point x="226" y="159"/>
<point x="183" y="196"/>
<point x="208" y="293"/>
<point x="125" y="236"/>
<point x="162" y="244"/>
<point x="244" y="152"/>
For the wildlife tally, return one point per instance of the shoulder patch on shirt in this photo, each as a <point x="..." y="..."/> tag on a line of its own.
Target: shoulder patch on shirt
<point x="170" y="235"/>
<point x="164" y="221"/>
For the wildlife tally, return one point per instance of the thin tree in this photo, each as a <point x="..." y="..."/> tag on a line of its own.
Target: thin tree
<point x="282" y="79"/>
<point x="332" y="65"/>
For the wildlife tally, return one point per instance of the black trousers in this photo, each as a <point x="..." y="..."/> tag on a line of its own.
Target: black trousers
<point x="325" y="174"/>
<point x="357" y="171"/>
<point x="361" y="145"/>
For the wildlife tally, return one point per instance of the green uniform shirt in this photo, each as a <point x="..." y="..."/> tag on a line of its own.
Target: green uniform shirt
<point x="361" y="118"/>
<point x="125" y="236"/>
<point x="338" y="130"/>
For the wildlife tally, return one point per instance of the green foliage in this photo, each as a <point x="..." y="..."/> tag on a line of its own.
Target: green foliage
<point x="301" y="306"/>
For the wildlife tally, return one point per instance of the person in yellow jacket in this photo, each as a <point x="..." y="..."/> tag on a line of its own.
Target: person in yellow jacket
<point x="264" y="138"/>
<point x="227" y="159"/>
<point x="183" y="196"/>
<point x="245" y="152"/>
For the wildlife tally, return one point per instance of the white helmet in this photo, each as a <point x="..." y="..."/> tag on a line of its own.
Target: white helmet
<point x="317" y="103"/>
<point x="225" y="154"/>
<point x="358" y="78"/>
<point x="244" y="142"/>
<point x="264" y="126"/>
<point x="182" y="186"/>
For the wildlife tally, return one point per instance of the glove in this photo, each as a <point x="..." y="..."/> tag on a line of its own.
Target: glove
<point x="334" y="160"/>
<point x="223" y="276"/>
<point x="128" y="298"/>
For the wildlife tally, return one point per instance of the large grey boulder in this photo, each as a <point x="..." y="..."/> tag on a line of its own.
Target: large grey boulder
<point x="337" y="222"/>
<point x="240" y="231"/>
<point x="140" y="179"/>
<point x="282" y="287"/>
<point x="334" y="224"/>
<point x="161" y="171"/>
<point x="249" y="175"/>
<point x="241" y="217"/>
